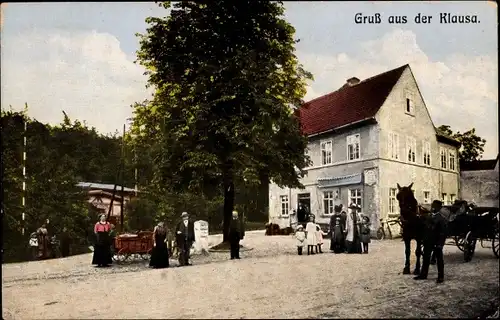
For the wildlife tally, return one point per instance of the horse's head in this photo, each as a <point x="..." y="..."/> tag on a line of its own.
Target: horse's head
<point x="407" y="202"/>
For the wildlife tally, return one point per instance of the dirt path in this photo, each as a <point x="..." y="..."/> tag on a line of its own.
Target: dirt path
<point x="270" y="281"/>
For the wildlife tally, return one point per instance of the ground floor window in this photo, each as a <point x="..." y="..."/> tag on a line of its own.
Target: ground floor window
<point x="392" y="200"/>
<point x="444" y="199"/>
<point x="355" y="196"/>
<point x="452" y="198"/>
<point x="284" y="205"/>
<point x="427" y="197"/>
<point x="328" y="202"/>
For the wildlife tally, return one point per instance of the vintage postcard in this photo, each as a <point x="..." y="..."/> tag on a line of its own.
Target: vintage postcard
<point x="255" y="159"/>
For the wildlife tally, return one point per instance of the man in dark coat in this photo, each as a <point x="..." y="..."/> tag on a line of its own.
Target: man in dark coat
<point x="337" y="227"/>
<point x="65" y="242"/>
<point x="235" y="235"/>
<point x="302" y="215"/>
<point x="434" y="238"/>
<point x="184" y="238"/>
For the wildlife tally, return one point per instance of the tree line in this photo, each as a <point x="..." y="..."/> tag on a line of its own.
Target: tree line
<point x="60" y="156"/>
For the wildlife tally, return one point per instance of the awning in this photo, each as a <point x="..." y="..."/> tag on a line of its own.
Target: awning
<point x="329" y="182"/>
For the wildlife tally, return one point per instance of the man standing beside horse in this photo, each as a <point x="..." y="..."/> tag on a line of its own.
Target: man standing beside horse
<point x="434" y="239"/>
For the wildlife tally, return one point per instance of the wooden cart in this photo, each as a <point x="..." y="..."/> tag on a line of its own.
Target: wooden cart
<point x="128" y="246"/>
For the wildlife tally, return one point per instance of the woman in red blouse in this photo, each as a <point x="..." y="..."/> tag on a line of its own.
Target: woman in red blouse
<point x="102" y="247"/>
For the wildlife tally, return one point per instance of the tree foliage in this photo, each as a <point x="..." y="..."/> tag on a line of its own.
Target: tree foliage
<point x="58" y="157"/>
<point x="226" y="79"/>
<point x="472" y="145"/>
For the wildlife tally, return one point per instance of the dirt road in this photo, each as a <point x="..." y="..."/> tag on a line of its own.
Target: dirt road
<point x="270" y="281"/>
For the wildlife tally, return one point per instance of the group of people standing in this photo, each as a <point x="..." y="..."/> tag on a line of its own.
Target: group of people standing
<point x="350" y="232"/>
<point x="160" y="254"/>
<point x="44" y="245"/>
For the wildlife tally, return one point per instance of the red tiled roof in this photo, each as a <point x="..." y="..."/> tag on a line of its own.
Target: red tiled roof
<point x="348" y="104"/>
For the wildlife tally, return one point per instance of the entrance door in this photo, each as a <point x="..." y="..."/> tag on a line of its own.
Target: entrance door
<point x="303" y="207"/>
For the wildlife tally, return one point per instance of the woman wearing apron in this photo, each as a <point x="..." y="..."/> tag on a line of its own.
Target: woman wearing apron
<point x="102" y="248"/>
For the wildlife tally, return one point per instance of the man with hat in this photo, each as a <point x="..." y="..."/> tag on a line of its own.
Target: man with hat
<point x="184" y="238"/>
<point x="235" y="235"/>
<point x="352" y="229"/>
<point x="434" y="238"/>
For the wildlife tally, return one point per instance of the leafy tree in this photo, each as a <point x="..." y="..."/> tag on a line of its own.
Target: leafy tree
<point x="472" y="145"/>
<point x="226" y="79"/>
<point x="51" y="191"/>
<point x="141" y="214"/>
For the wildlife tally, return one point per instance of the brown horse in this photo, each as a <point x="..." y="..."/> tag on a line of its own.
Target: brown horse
<point x="413" y="223"/>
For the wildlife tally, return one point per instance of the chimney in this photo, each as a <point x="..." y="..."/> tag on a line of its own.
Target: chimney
<point x="352" y="81"/>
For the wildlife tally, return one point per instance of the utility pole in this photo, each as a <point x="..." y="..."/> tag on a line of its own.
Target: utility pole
<point x="25" y="118"/>
<point x="123" y="178"/>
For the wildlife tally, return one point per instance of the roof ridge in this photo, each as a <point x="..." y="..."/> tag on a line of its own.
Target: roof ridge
<point x="357" y="84"/>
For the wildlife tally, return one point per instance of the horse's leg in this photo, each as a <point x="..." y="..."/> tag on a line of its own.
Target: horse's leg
<point x="406" y="269"/>
<point x="418" y="254"/>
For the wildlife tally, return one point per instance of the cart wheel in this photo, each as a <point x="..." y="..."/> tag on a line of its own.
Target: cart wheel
<point x="482" y="243"/>
<point x="122" y="255"/>
<point x="380" y="234"/>
<point x="469" y="247"/>
<point x="460" y="242"/>
<point x="147" y="255"/>
<point x="495" y="244"/>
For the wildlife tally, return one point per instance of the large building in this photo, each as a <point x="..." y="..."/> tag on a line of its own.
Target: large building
<point x="364" y="139"/>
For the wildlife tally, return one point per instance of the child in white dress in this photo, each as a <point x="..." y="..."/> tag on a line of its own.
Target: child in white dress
<point x="311" y="235"/>
<point x="300" y="235"/>
<point x="319" y="238"/>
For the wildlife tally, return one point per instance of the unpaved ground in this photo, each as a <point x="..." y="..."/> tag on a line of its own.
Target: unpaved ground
<point x="270" y="281"/>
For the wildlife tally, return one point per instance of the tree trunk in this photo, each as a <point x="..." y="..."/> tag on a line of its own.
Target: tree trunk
<point x="228" y="205"/>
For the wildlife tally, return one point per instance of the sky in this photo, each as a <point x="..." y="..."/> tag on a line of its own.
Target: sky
<point x="79" y="57"/>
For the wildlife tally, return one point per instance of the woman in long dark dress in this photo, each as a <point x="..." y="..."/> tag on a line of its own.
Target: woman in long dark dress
<point x="102" y="247"/>
<point x="337" y="227"/>
<point x="159" y="254"/>
<point x="43" y="242"/>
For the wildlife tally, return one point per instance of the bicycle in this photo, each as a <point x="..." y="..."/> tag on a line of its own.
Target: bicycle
<point x="381" y="235"/>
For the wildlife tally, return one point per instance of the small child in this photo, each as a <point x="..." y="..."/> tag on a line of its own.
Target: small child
<point x="319" y="237"/>
<point x="300" y="235"/>
<point x="365" y="233"/>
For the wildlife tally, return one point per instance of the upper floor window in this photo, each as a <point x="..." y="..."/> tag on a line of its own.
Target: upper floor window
<point x="411" y="146"/>
<point x="326" y="152"/>
<point x="353" y="142"/>
<point x="284" y="205"/>
<point x="443" y="159"/>
<point x="328" y="202"/>
<point x="426" y="152"/>
<point x="409" y="102"/>
<point x="452" y="160"/>
<point x="393" y="146"/>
